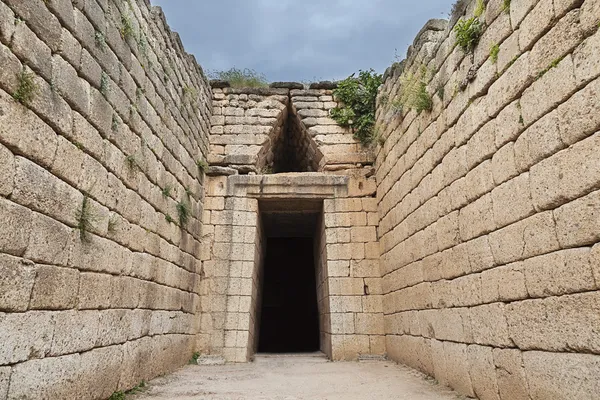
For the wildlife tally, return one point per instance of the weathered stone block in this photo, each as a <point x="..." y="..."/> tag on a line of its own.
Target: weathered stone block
<point x="553" y="376"/>
<point x="94" y="291"/>
<point x="512" y="201"/>
<point x="489" y="325"/>
<point x="577" y="222"/>
<point x="482" y="372"/>
<point x="55" y="288"/>
<point x="16" y="281"/>
<point x="457" y="368"/>
<point x="74" y="332"/>
<point x="15" y="228"/>
<point x="512" y="382"/>
<point x="25" y="336"/>
<point x="475" y="218"/>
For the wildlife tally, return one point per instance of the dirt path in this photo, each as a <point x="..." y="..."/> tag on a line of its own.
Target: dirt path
<point x="294" y="378"/>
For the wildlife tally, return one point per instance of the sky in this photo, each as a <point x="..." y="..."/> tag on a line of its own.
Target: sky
<point x="300" y="40"/>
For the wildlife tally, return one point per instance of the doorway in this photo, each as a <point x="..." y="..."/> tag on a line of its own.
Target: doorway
<point x="289" y="313"/>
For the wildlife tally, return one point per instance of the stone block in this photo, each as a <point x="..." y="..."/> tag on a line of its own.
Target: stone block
<point x="535" y="22"/>
<point x="100" y="370"/>
<point x="74" y="332"/>
<point x="55" y="288"/>
<point x="510" y="84"/>
<point x="556" y="274"/>
<point x="369" y="324"/>
<point x="70" y="86"/>
<point x="557" y="84"/>
<point x="554" y="376"/>
<point x="510" y="374"/>
<point x="49" y="241"/>
<point x="26" y="45"/>
<point x="114" y="327"/>
<point x="590" y="10"/>
<point x="483" y="372"/>
<point x="489" y="325"/>
<point x="342" y="323"/>
<point x="49" y="378"/>
<point x="508" y="123"/>
<point x="566" y="323"/>
<point x="16" y="281"/>
<point x="11" y="68"/>
<point x="457" y="368"/>
<point x="527" y="238"/>
<point x="95" y="291"/>
<point x="475" y="218"/>
<point x="539" y="141"/>
<point x="480" y="254"/>
<point x="580" y="115"/>
<point x="506" y="283"/>
<point x="25" y="336"/>
<point x="349" y="347"/>
<point x="577" y="222"/>
<point x="365" y="268"/>
<point x="512" y="201"/>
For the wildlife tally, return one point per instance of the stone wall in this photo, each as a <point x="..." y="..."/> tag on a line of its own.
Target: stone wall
<point x="489" y="204"/>
<point x="98" y="284"/>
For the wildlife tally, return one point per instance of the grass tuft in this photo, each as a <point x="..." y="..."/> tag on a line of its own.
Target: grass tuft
<point x="27" y="88"/>
<point x="194" y="359"/>
<point x="494" y="51"/>
<point x="241" y="78"/>
<point x="468" y="32"/>
<point x="479" y="8"/>
<point x="183" y="213"/>
<point x="85" y="219"/>
<point x="202" y="165"/>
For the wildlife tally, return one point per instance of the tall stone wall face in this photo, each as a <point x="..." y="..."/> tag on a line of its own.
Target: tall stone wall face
<point x="489" y="205"/>
<point x="98" y="290"/>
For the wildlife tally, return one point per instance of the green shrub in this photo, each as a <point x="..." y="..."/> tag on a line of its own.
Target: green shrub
<point x="506" y="6"/>
<point x="183" y="212"/>
<point x="468" y="32"/>
<point x="358" y="97"/>
<point x="241" y="78"/>
<point x="479" y="8"/>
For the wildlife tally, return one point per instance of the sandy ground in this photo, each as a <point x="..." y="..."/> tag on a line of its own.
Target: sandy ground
<point x="296" y="377"/>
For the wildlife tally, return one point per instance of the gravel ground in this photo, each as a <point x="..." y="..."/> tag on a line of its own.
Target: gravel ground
<point x="296" y="377"/>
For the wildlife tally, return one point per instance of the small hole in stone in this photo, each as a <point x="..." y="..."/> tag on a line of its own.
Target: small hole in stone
<point x="360" y="186"/>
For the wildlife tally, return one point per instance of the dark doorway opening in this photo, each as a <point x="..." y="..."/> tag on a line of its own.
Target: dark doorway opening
<point x="290" y="317"/>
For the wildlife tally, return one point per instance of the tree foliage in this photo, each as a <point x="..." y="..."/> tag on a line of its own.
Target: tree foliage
<point x="358" y="97"/>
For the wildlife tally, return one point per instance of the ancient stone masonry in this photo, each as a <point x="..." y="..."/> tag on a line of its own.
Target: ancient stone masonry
<point x="138" y="204"/>
<point x="489" y="204"/>
<point x="99" y="287"/>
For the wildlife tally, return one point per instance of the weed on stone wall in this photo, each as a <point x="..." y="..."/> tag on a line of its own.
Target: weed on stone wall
<point x="413" y="93"/>
<point x="194" y="359"/>
<point x="494" y="51"/>
<point x="127" y="31"/>
<point x="183" y="213"/>
<point x="506" y="6"/>
<point x="27" y="87"/>
<point x="358" y="96"/>
<point x="479" y="8"/>
<point x="468" y="32"/>
<point x="202" y="166"/>
<point x="166" y="191"/>
<point x="240" y="78"/>
<point x="85" y="219"/>
<point x="123" y="395"/>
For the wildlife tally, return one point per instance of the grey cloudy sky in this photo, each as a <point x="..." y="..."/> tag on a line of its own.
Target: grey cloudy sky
<point x="299" y="40"/>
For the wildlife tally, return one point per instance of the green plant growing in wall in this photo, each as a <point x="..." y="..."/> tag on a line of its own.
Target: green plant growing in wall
<point x="114" y="125"/>
<point x="479" y="8"/>
<point x="440" y="91"/>
<point x="494" y="52"/>
<point x="27" y="87"/>
<point x="468" y="32"/>
<point x="169" y="219"/>
<point x="202" y="165"/>
<point x="112" y="224"/>
<point x="183" y="213"/>
<point x="194" y="359"/>
<point x="423" y="101"/>
<point x="100" y="40"/>
<point x="131" y="162"/>
<point x="166" y="191"/>
<point x="413" y="92"/>
<point x="127" y="31"/>
<point x="104" y="84"/>
<point x="506" y="6"/>
<point x="240" y="78"/>
<point x="85" y="219"/>
<point x="358" y="96"/>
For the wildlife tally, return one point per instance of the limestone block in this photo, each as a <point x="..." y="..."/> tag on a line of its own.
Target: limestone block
<point x="11" y="67"/>
<point x="49" y="241"/>
<point x="553" y="376"/>
<point x="506" y="283"/>
<point x="455" y="165"/>
<point x="16" y="281"/>
<point x="26" y="45"/>
<point x="49" y="378"/>
<point x="337" y="235"/>
<point x="512" y="201"/>
<point x="577" y="222"/>
<point x="413" y="351"/>
<point x="510" y="374"/>
<point x="480" y="180"/>
<point x="342" y="323"/>
<point x="480" y="254"/>
<point x="566" y="323"/>
<point x="113" y="327"/>
<point x="94" y="291"/>
<point x="539" y="141"/>
<point x="508" y="124"/>
<point x="548" y="91"/>
<point x="25" y="336"/>
<point x="349" y="347"/>
<point x="448" y="233"/>
<point x="339" y="268"/>
<point x="363" y="234"/>
<point x="530" y="237"/>
<point x="457" y="368"/>
<point x="74" y="332"/>
<point x="519" y="75"/>
<point x="7" y="24"/>
<point x="370" y="324"/>
<point x="475" y="219"/>
<point x="535" y="23"/>
<point x="509" y="50"/>
<point x="489" y="325"/>
<point x="343" y="205"/>
<point x="346" y="286"/>
<point x="41" y="147"/>
<point x="372" y="250"/>
<point x="365" y="268"/>
<point x="595" y="263"/>
<point x="55" y="288"/>
<point x="503" y="164"/>
<point x="559" y="273"/>
<point x="589" y="15"/>
<point x="450" y="324"/>
<point x="100" y="371"/>
<point x="482" y="372"/>
<point x="580" y="115"/>
<point x="482" y="145"/>
<point x="350" y="219"/>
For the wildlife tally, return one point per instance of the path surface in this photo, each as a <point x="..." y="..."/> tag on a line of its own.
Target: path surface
<point x="294" y="378"/>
